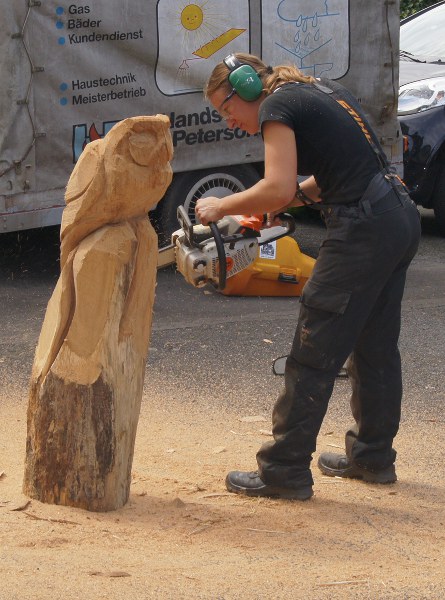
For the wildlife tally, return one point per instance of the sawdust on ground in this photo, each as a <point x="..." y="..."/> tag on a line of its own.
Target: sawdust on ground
<point x="181" y="535"/>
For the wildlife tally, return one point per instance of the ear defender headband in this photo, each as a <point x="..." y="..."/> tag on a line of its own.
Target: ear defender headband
<point x="244" y="79"/>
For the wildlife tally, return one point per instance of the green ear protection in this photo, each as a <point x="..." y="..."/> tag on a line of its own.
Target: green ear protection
<point x="244" y="79"/>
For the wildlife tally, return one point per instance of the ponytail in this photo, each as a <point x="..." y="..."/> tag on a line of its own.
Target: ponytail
<point x="282" y="74"/>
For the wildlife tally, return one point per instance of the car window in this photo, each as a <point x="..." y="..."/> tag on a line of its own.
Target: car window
<point x="425" y="35"/>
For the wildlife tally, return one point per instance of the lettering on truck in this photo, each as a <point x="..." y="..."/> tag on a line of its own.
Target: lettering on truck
<point x="101" y="82"/>
<point x="74" y="9"/>
<point x="180" y="124"/>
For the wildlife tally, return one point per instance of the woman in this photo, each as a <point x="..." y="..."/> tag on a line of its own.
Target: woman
<point x="351" y="305"/>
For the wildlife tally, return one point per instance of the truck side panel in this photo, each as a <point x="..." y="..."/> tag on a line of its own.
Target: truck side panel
<point x="75" y="69"/>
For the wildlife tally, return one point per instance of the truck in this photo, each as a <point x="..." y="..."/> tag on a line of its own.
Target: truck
<point x="71" y="70"/>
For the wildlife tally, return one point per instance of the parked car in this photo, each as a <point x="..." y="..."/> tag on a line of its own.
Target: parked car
<point x="421" y="107"/>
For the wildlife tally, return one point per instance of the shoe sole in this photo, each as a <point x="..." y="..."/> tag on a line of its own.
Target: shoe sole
<point x="283" y="493"/>
<point x="386" y="476"/>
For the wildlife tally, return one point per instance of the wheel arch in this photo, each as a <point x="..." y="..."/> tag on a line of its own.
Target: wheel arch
<point x="188" y="186"/>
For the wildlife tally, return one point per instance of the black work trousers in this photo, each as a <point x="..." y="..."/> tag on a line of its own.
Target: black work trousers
<point x="350" y="307"/>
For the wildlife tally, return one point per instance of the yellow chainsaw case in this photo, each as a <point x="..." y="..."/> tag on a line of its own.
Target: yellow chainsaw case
<point x="280" y="269"/>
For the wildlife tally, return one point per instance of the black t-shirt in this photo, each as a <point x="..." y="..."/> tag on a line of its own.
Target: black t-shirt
<point x="330" y="144"/>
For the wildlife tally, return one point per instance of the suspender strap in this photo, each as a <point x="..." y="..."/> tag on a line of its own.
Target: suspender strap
<point x="351" y="106"/>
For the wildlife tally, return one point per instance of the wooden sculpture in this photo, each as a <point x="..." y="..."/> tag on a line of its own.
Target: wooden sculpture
<point x="88" y="371"/>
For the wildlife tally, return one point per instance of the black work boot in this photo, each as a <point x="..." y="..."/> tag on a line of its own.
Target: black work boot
<point x="339" y="465"/>
<point x="249" y="483"/>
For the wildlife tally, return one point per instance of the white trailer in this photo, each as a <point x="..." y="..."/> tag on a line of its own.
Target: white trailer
<point x="71" y="70"/>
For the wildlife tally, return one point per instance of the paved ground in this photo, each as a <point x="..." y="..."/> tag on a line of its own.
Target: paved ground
<point x="219" y="340"/>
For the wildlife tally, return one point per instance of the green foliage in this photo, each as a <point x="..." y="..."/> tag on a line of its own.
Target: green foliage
<point x="408" y="7"/>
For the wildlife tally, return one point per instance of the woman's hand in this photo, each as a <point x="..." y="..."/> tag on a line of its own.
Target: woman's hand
<point x="272" y="218"/>
<point x="271" y="194"/>
<point x="209" y="210"/>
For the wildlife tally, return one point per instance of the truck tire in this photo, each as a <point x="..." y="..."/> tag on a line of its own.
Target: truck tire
<point x="187" y="188"/>
<point x="439" y="201"/>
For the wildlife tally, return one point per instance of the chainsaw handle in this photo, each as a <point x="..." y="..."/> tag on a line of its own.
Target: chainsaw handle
<point x="289" y="220"/>
<point x="289" y="228"/>
<point x="221" y="256"/>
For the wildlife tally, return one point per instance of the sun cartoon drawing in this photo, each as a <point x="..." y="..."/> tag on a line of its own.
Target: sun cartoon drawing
<point x="204" y="30"/>
<point x="192" y="17"/>
<point x="198" y="22"/>
<point x="193" y="32"/>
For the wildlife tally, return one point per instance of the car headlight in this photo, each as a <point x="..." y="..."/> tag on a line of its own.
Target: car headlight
<point x="421" y="95"/>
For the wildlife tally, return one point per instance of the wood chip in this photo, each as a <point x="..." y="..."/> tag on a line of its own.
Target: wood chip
<point x="253" y="419"/>
<point x="49" y="520"/>
<point x="110" y="574"/>
<point x="352" y="582"/>
<point x="270" y="531"/>
<point x="199" y="529"/>
<point x="216" y="495"/>
<point x="23" y="506"/>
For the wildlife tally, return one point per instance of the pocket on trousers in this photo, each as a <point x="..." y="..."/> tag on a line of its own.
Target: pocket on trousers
<point x="319" y="325"/>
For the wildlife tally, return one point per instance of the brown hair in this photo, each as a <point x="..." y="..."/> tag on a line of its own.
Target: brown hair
<point x="271" y="77"/>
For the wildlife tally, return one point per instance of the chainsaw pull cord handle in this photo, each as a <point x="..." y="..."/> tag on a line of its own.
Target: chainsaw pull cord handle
<point x="221" y="256"/>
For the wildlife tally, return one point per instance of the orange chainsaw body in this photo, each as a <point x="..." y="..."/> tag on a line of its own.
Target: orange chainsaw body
<point x="280" y="269"/>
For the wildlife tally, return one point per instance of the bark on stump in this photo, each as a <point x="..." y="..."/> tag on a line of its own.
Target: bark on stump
<point x="89" y="365"/>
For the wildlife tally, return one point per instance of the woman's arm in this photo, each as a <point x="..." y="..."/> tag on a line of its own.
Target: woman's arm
<point x="275" y="191"/>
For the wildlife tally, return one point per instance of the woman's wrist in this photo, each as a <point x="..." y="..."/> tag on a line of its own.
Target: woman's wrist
<point x="303" y="198"/>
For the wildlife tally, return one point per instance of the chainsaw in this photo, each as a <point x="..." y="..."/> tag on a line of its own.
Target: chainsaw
<point x="210" y="254"/>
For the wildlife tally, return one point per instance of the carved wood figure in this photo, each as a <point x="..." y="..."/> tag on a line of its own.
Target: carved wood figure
<point x="88" y="371"/>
